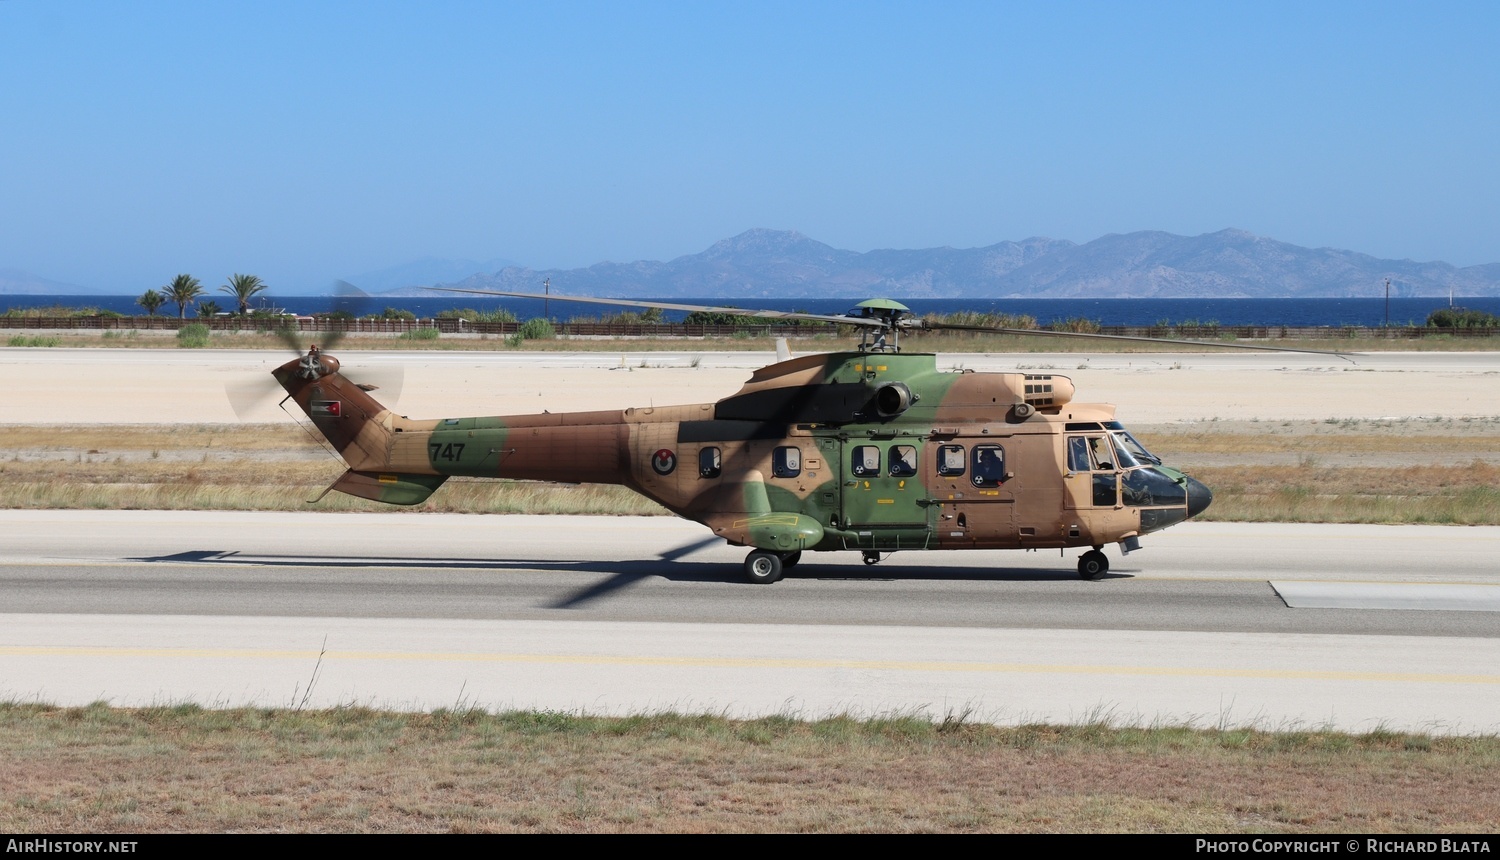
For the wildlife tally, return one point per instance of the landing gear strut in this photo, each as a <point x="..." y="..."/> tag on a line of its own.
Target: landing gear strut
<point x="1093" y="564"/>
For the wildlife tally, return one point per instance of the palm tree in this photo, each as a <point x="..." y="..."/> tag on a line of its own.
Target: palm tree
<point x="151" y="300"/>
<point x="243" y="288"/>
<point x="183" y="290"/>
<point x="208" y="309"/>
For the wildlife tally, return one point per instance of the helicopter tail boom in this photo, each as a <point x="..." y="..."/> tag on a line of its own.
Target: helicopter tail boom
<point x="357" y="426"/>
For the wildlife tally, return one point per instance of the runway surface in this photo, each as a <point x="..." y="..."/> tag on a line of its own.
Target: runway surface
<point x="1350" y="627"/>
<point x="146" y="386"/>
<point x="622" y="615"/>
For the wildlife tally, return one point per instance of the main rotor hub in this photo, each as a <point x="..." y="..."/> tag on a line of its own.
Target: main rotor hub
<point x="315" y="364"/>
<point x="892" y="316"/>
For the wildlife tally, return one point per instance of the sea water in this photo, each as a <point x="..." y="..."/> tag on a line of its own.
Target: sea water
<point x="1125" y="312"/>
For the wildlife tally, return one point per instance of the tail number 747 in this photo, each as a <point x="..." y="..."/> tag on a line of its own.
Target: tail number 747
<point x="452" y="451"/>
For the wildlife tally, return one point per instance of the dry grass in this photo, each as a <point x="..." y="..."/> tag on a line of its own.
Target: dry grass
<point x="1445" y="495"/>
<point x="102" y="770"/>
<point x="1387" y="443"/>
<point x="1256" y="474"/>
<point x="272" y="467"/>
<point x="457" y="496"/>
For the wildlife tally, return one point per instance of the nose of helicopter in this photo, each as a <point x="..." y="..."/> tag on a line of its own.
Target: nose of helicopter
<point x="1199" y="497"/>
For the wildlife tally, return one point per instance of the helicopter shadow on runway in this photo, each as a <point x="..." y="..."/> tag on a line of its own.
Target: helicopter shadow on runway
<point x="623" y="574"/>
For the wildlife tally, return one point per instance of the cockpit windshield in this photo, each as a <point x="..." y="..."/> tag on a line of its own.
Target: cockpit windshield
<point x="1129" y="449"/>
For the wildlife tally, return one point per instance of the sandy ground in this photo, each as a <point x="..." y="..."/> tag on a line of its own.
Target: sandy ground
<point x="180" y="386"/>
<point x="92" y="386"/>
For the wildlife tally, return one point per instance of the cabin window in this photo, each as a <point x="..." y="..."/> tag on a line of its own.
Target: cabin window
<point x="710" y="463"/>
<point x="903" y="461"/>
<point x="989" y="466"/>
<point x="864" y="462"/>
<point x="951" y="460"/>
<point x="786" y="461"/>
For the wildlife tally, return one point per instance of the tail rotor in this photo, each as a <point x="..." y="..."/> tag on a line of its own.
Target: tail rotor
<point x="249" y="397"/>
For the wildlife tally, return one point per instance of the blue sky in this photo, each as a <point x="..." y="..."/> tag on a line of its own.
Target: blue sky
<point x="308" y="141"/>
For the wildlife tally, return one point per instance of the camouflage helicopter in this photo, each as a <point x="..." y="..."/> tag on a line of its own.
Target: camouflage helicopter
<point x="871" y="450"/>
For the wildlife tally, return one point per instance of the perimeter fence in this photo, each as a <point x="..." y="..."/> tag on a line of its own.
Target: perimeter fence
<point x="684" y="330"/>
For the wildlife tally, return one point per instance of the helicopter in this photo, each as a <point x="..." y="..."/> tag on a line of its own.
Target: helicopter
<point x="871" y="450"/>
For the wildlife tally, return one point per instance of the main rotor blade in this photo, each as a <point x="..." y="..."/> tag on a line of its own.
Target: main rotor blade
<point x="689" y="548"/>
<point x="385" y="382"/>
<point x="347" y="299"/>
<point x="1042" y="332"/>
<point x="675" y="306"/>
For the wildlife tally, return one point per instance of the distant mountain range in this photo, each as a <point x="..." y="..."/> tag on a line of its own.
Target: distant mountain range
<point x="1148" y="264"/>
<point x="428" y="270"/>
<point x="14" y="282"/>
<point x="783" y="264"/>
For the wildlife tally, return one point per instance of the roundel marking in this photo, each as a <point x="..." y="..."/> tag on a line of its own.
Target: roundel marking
<point x="664" y="461"/>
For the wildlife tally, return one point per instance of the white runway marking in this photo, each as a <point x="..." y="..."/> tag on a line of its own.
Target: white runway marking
<point x="1397" y="595"/>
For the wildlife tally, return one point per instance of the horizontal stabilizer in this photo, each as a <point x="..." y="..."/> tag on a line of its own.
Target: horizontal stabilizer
<point x="388" y="487"/>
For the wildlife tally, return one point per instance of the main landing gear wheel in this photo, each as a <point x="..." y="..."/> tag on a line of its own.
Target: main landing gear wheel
<point x="1093" y="564"/>
<point x="872" y="557"/>
<point x="790" y="560"/>
<point x="762" y="567"/>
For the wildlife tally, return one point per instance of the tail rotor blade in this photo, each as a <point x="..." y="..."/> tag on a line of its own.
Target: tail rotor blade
<point x="247" y="398"/>
<point x="291" y="336"/>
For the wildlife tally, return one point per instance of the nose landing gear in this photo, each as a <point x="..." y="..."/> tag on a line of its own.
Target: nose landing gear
<point x="1093" y="564"/>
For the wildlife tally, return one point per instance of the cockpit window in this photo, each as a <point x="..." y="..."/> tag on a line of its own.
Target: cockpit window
<point x="1132" y="453"/>
<point x="1090" y="454"/>
<point x="1123" y="458"/>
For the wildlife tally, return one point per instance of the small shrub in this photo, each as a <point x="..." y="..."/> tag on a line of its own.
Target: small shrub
<point x="421" y="334"/>
<point x="34" y="340"/>
<point x="537" y="329"/>
<point x="1462" y="318"/>
<point x="193" y="336"/>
